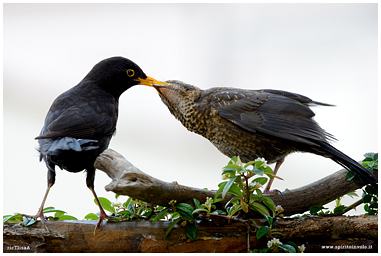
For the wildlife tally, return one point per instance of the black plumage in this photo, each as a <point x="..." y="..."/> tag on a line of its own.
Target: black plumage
<point x="81" y="121"/>
<point x="255" y="123"/>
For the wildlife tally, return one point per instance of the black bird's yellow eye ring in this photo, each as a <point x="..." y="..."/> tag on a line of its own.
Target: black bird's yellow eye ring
<point x="130" y="72"/>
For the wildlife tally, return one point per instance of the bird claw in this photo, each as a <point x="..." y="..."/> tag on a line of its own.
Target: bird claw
<point x="102" y="216"/>
<point x="40" y="215"/>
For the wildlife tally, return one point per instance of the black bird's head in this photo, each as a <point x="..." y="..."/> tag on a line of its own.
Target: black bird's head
<point x="117" y="74"/>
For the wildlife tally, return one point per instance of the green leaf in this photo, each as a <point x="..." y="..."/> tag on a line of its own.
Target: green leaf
<point x="191" y="230"/>
<point x="257" y="171"/>
<point x="59" y="214"/>
<point x="12" y="217"/>
<point x="288" y="248"/>
<point x="228" y="186"/>
<point x="51" y="209"/>
<point x="125" y="204"/>
<point x="349" y="176"/>
<point x="259" y="208"/>
<point x="270" y="220"/>
<point x="28" y="221"/>
<point x="338" y="209"/>
<point x="199" y="210"/>
<point x="262" y="231"/>
<point x="67" y="217"/>
<point x="231" y="201"/>
<point x="160" y="215"/>
<point x="47" y="208"/>
<point x="221" y="187"/>
<point x="184" y="207"/>
<point x="260" y="180"/>
<point x="196" y="202"/>
<point x="171" y="226"/>
<point x="316" y="208"/>
<point x="186" y="215"/>
<point x="249" y="163"/>
<point x="269" y="203"/>
<point x="106" y="204"/>
<point x="367" y="198"/>
<point x="91" y="216"/>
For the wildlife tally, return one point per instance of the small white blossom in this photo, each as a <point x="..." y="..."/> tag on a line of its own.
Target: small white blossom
<point x="301" y="248"/>
<point x="279" y="209"/>
<point x="262" y="160"/>
<point x="274" y="243"/>
<point x="256" y="185"/>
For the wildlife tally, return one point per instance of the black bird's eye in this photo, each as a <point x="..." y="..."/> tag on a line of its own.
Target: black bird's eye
<point x="130" y="72"/>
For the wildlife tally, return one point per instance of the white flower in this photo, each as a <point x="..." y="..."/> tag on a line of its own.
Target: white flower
<point x="274" y="243"/>
<point x="262" y="160"/>
<point x="301" y="248"/>
<point x="256" y="185"/>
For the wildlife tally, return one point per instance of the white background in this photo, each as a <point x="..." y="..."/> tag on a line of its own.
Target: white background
<point x="327" y="52"/>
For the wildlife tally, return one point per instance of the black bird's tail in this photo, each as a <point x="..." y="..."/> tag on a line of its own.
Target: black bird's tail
<point x="351" y="165"/>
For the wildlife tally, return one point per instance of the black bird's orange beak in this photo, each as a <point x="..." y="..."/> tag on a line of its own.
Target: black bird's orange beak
<point x="149" y="81"/>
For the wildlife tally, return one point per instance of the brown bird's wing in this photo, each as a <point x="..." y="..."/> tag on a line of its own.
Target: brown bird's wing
<point x="77" y="122"/>
<point x="269" y="113"/>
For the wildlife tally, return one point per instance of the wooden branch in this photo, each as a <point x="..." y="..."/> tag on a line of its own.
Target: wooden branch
<point x="129" y="180"/>
<point x="318" y="234"/>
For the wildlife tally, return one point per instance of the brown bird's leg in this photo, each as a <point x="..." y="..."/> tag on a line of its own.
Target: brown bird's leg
<point x="277" y="166"/>
<point x="90" y="184"/>
<point x="40" y="213"/>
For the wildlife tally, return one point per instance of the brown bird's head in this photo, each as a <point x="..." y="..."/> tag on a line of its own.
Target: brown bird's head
<point x="179" y="97"/>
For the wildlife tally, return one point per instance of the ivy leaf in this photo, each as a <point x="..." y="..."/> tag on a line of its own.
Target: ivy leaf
<point x="51" y="209"/>
<point x="191" y="230"/>
<point x="171" y="226"/>
<point x="262" y="231"/>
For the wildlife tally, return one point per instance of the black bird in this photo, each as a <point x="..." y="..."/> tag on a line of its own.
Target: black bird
<point x="82" y="120"/>
<point x="255" y="123"/>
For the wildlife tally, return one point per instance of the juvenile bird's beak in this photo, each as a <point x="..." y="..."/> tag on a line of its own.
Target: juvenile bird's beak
<point x="149" y="81"/>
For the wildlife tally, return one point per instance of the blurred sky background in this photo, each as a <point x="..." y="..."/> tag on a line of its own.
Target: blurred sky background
<point x="327" y="52"/>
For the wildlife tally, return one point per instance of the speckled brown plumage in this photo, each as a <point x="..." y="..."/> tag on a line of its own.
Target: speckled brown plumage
<point x="254" y="123"/>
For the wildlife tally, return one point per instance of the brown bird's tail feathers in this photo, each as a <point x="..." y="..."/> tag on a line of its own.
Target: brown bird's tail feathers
<point x="351" y="165"/>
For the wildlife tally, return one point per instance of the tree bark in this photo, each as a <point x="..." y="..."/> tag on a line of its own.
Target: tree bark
<point x="129" y="180"/>
<point x="318" y="234"/>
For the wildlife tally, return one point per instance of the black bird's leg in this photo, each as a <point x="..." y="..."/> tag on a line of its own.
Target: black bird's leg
<point x="277" y="166"/>
<point x="40" y="213"/>
<point x="90" y="184"/>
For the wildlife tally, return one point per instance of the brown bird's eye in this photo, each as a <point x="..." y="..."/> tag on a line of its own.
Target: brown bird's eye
<point x="130" y="72"/>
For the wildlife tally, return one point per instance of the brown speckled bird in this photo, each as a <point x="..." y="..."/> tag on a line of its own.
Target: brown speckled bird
<point x="255" y="123"/>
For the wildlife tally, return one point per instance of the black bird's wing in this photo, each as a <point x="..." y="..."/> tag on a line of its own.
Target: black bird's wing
<point x="81" y="122"/>
<point x="281" y="114"/>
